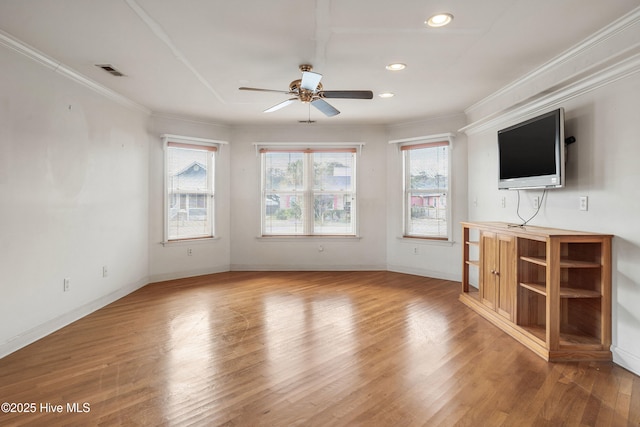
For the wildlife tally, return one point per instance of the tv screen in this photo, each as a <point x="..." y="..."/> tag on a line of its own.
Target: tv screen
<point x="531" y="153"/>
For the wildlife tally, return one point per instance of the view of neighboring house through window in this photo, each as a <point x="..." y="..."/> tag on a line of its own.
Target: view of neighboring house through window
<point x="190" y="190"/>
<point x="308" y="192"/>
<point x="426" y="189"/>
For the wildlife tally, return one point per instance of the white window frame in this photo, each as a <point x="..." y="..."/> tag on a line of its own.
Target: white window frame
<point x="187" y="142"/>
<point x="404" y="145"/>
<point x="308" y="192"/>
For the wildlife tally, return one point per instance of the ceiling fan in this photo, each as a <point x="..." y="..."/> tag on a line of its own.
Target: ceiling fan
<point x="308" y="89"/>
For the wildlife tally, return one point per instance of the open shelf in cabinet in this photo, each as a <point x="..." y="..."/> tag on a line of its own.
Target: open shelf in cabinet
<point x="564" y="263"/>
<point x="565" y="291"/>
<point x="471" y="258"/>
<point x="473" y="245"/>
<point x="568" y="338"/>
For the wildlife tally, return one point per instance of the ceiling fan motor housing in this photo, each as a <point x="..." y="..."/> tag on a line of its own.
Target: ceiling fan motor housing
<point x="304" y="94"/>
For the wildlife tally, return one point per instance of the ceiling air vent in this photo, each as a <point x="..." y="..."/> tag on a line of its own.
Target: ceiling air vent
<point x="109" y="69"/>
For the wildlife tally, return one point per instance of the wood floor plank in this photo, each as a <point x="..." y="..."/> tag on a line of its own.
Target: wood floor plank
<point x="303" y="348"/>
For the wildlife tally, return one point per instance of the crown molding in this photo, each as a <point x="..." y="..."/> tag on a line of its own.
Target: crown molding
<point x="32" y="53"/>
<point x="609" y="32"/>
<point x="621" y="70"/>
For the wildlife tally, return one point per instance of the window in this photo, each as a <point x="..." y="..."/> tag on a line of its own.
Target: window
<point x="189" y="201"/>
<point x="426" y="190"/>
<point x="308" y="192"/>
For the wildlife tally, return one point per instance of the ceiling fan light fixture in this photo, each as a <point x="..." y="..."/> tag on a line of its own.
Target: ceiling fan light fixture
<point x="439" y="20"/>
<point x="397" y="66"/>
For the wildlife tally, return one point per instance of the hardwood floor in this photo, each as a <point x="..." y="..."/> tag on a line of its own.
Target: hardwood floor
<point x="303" y="348"/>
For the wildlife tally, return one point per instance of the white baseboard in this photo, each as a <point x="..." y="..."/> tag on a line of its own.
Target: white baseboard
<point x="625" y="359"/>
<point x="308" y="267"/>
<point x="41" y="331"/>
<point x="188" y="273"/>
<point x="424" y="272"/>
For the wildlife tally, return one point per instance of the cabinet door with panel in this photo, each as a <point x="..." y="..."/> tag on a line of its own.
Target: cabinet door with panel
<point x="488" y="265"/>
<point x="498" y="272"/>
<point x="506" y="276"/>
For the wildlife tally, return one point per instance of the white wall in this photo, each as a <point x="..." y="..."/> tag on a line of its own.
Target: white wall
<point x="170" y="261"/>
<point x="73" y="198"/>
<point x="433" y="258"/>
<point x="602" y="114"/>
<point x="248" y="252"/>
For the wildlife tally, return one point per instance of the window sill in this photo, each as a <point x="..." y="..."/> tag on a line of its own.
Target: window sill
<point x="316" y="237"/>
<point x="193" y="241"/>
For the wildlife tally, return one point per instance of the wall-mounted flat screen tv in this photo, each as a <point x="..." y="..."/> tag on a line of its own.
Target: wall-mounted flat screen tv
<point x="531" y="153"/>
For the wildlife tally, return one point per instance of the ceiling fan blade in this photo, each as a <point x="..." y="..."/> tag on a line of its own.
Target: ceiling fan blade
<point x="310" y="80"/>
<point x="280" y="105"/>
<point x="325" y="107"/>
<point x="265" y="90"/>
<point x="347" y="94"/>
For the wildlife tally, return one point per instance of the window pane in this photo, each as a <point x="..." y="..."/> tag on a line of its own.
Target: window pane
<point x="332" y="213"/>
<point x="189" y="193"/>
<point x="283" y="171"/>
<point x="333" y="171"/>
<point x="283" y="213"/>
<point x="429" y="168"/>
<point x="428" y="215"/>
<point x="426" y="191"/>
<point x="188" y="221"/>
<point x="308" y="193"/>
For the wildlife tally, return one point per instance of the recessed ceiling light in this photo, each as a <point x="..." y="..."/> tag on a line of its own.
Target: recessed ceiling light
<point x="396" y="67"/>
<point x="439" y="20"/>
<point x="386" y="95"/>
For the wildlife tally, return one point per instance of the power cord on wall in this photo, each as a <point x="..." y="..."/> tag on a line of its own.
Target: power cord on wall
<point x="526" y="221"/>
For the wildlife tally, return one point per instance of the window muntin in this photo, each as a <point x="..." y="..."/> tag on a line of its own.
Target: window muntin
<point x="190" y="191"/>
<point x="426" y="190"/>
<point x="308" y="192"/>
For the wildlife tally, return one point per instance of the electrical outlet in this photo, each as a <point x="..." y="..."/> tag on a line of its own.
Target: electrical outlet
<point x="105" y="271"/>
<point x="189" y="252"/>
<point x="67" y="284"/>
<point x="503" y="202"/>
<point x="536" y="202"/>
<point x="415" y="250"/>
<point x="584" y="203"/>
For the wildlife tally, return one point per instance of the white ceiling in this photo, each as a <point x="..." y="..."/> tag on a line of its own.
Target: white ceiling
<point x="187" y="58"/>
